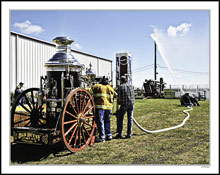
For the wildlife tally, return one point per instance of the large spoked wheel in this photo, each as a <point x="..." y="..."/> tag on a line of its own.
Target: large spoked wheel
<point x="29" y="113"/>
<point x="78" y="120"/>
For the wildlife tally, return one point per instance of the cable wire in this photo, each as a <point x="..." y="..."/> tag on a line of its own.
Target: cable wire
<point x="142" y="70"/>
<point x="184" y="71"/>
<point x="142" y="67"/>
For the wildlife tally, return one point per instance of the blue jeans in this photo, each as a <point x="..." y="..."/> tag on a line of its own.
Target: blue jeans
<point x="103" y="122"/>
<point x="18" y="92"/>
<point x="120" y="118"/>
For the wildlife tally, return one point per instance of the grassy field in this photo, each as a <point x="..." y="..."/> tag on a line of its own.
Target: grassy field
<point x="187" y="145"/>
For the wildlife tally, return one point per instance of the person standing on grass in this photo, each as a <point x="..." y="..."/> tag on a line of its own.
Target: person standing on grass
<point x="126" y="100"/>
<point x="18" y="91"/>
<point x="103" y="97"/>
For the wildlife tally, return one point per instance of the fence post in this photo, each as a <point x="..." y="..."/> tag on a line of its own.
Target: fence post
<point x="170" y="91"/>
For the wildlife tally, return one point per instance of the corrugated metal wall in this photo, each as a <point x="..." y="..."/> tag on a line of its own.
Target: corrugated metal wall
<point x="28" y="56"/>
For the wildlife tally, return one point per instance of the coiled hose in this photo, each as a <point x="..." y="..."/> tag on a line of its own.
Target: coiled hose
<point x="166" y="129"/>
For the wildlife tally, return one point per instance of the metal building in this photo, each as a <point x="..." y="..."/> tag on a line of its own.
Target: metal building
<point x="28" y="56"/>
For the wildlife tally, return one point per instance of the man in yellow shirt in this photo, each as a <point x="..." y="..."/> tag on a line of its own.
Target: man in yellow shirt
<point x="103" y="97"/>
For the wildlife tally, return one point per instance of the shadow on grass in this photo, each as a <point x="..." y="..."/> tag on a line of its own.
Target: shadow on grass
<point x="140" y="134"/>
<point x="22" y="153"/>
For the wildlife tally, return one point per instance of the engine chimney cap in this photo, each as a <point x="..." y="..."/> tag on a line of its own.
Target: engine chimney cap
<point x="63" y="40"/>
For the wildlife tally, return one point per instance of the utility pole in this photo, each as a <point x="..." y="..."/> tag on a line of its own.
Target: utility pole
<point x="155" y="61"/>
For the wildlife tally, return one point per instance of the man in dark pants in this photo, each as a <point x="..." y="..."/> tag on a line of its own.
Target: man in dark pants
<point x="103" y="97"/>
<point x="126" y="100"/>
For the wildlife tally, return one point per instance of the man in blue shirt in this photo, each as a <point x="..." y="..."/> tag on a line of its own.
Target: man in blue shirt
<point x="18" y="91"/>
<point x="126" y="100"/>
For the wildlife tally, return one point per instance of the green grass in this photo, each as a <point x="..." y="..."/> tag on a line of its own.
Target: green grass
<point x="187" y="145"/>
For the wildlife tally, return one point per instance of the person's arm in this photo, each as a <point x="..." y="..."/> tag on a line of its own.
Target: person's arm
<point x="119" y="95"/>
<point x="115" y="94"/>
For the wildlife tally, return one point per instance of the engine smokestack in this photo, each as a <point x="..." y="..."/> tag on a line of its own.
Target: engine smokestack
<point x="63" y="56"/>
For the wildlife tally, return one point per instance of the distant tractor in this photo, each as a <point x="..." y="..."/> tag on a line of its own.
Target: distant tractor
<point x="153" y="88"/>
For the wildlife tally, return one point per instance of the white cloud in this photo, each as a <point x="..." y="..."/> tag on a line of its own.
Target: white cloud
<point x="28" y="28"/>
<point x="77" y="46"/>
<point x="180" y="30"/>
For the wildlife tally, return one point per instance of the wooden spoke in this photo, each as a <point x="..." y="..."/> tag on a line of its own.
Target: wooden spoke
<point x="28" y="101"/>
<point x="32" y="97"/>
<point x="86" y="105"/>
<point x="91" y="116"/>
<point x="71" y="115"/>
<point x="86" y="130"/>
<point x="23" y="114"/>
<point x="71" y="121"/>
<point x="28" y="123"/>
<point x="76" y="137"/>
<point x="88" y="124"/>
<point x="76" y="104"/>
<point x="79" y="136"/>
<point x="80" y="102"/>
<point x="41" y="108"/>
<point x="21" y="121"/>
<point x="72" y="135"/>
<point x="84" y="138"/>
<point x="37" y="107"/>
<point x="73" y="108"/>
<point x="40" y="122"/>
<point x="88" y="111"/>
<point x="83" y="102"/>
<point x="70" y="128"/>
<point x="24" y="107"/>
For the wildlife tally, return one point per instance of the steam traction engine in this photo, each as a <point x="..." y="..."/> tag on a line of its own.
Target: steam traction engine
<point x="153" y="88"/>
<point x="59" y="109"/>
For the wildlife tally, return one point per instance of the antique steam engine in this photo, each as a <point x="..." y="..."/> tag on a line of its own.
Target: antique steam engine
<point x="153" y="88"/>
<point x="60" y="109"/>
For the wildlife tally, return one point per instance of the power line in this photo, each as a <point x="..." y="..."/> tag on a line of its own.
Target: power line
<point x="142" y="67"/>
<point x="184" y="71"/>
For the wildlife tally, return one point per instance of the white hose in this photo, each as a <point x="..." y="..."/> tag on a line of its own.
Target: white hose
<point x="166" y="129"/>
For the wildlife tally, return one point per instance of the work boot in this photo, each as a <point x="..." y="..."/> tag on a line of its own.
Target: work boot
<point x="119" y="136"/>
<point x="99" y="140"/>
<point x="108" y="137"/>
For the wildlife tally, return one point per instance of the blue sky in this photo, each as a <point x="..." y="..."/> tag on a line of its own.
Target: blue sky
<point x="182" y="36"/>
